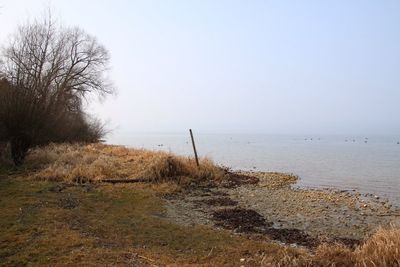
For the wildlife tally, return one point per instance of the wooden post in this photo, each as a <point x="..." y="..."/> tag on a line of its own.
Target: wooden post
<point x="194" y="148"/>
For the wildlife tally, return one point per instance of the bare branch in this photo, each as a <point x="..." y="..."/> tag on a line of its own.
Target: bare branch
<point x="48" y="70"/>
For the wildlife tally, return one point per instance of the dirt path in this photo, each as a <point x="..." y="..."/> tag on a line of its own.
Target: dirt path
<point x="272" y="209"/>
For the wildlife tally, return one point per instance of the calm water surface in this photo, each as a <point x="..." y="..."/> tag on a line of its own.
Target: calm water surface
<point x="365" y="163"/>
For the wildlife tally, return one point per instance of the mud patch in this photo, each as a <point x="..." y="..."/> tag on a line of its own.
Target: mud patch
<point x="219" y="201"/>
<point x="240" y="220"/>
<point x="291" y="236"/>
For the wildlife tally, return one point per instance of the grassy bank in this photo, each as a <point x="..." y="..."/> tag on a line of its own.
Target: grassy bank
<point x="92" y="163"/>
<point x="49" y="217"/>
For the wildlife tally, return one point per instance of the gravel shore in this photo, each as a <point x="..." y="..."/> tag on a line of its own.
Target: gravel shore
<point x="296" y="216"/>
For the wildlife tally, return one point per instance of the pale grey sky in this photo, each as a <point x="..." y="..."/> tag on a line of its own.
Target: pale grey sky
<point x="241" y="66"/>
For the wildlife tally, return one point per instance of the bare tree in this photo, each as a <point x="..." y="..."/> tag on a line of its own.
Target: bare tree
<point x="56" y="60"/>
<point x="48" y="70"/>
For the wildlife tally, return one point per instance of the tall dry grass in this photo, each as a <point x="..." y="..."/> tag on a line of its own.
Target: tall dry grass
<point x="94" y="162"/>
<point x="381" y="249"/>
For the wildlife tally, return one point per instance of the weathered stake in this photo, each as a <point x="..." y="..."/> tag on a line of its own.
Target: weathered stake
<point x="194" y="148"/>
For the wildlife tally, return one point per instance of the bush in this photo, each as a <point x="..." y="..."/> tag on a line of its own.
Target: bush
<point x="25" y="121"/>
<point x="47" y="71"/>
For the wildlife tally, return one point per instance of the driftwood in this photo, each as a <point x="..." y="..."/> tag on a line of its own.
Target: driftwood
<point x="126" y="181"/>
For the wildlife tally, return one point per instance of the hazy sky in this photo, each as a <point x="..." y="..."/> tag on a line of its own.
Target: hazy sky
<point x="241" y="66"/>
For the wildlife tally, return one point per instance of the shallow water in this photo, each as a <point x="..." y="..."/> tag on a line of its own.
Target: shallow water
<point x="365" y="163"/>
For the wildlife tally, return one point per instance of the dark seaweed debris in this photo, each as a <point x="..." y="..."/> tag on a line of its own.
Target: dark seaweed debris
<point x="235" y="179"/>
<point x="241" y="220"/>
<point x="249" y="221"/>
<point x="220" y="201"/>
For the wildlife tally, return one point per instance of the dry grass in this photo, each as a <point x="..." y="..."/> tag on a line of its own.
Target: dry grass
<point x="66" y="162"/>
<point x="135" y="210"/>
<point x="381" y="249"/>
<point x="124" y="225"/>
<point x="112" y="225"/>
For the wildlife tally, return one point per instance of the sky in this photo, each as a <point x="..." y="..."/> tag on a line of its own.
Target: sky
<point x="278" y="67"/>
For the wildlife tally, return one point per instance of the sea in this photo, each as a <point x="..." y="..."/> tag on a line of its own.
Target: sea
<point x="367" y="164"/>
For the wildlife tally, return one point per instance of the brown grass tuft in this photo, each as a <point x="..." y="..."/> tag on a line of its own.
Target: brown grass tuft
<point x="94" y="162"/>
<point x="381" y="249"/>
<point x="334" y="255"/>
